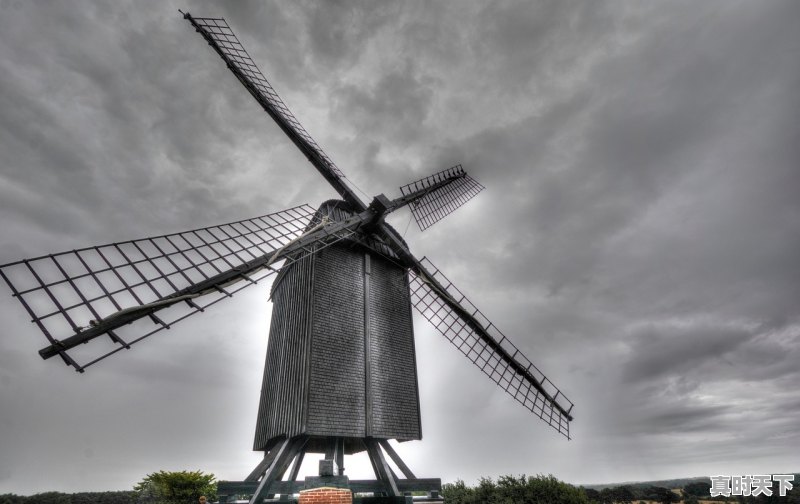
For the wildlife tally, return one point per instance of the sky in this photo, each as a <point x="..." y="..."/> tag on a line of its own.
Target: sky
<point x="638" y="238"/>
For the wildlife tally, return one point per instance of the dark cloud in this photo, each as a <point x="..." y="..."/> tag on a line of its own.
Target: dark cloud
<point x="675" y="352"/>
<point x="336" y="27"/>
<point x="396" y="108"/>
<point x="680" y="418"/>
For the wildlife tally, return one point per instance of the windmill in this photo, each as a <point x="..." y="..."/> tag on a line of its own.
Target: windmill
<point x="340" y="373"/>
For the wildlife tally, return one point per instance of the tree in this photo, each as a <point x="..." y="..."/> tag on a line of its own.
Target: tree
<point x="592" y="494"/>
<point x="49" y="498"/>
<point x="12" y="499"/>
<point x="698" y="489"/>
<point x="548" y="489"/>
<point x="622" y="494"/>
<point x="662" y="495"/>
<point x="458" y="493"/>
<point x="514" y="490"/>
<point x="123" y="497"/>
<point x="485" y="491"/>
<point x="179" y="487"/>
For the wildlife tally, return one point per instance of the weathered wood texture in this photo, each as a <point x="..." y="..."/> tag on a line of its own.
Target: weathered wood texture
<point x="337" y="389"/>
<point x="284" y="390"/>
<point x="395" y="402"/>
<point x="341" y="348"/>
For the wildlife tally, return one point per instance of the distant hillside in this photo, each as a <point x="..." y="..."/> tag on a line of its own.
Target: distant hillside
<point x="114" y="497"/>
<point x="671" y="483"/>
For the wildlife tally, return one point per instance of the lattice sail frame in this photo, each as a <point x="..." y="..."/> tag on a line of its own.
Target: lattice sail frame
<point x="442" y="201"/>
<point x="68" y="292"/>
<point x="232" y="48"/>
<point x="479" y="352"/>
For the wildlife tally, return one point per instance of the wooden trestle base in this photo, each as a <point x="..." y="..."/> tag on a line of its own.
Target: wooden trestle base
<point x="265" y="482"/>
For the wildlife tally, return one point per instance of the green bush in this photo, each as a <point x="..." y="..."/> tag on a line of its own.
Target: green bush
<point x="514" y="490"/>
<point x="178" y="487"/>
<point x="49" y="498"/>
<point x="12" y="499"/>
<point x="75" y="498"/>
<point x="458" y="493"/>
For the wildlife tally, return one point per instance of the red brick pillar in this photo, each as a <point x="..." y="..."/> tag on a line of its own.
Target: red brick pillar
<point x="326" y="495"/>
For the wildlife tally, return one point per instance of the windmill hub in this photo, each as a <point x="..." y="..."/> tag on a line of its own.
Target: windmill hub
<point x="380" y="205"/>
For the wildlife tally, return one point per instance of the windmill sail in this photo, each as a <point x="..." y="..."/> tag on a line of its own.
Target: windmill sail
<point x="458" y="320"/>
<point x="220" y="36"/>
<point x="131" y="290"/>
<point x="441" y="201"/>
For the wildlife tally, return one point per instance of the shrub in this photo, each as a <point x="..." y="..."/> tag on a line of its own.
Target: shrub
<point x="514" y="490"/>
<point x="179" y="487"/>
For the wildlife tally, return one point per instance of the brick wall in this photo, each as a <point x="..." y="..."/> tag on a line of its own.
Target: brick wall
<point x="326" y="495"/>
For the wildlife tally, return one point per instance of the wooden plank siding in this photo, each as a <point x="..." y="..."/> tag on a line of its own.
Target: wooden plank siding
<point x="328" y="316"/>
<point x="284" y="388"/>
<point x="337" y="386"/>
<point x="395" y="395"/>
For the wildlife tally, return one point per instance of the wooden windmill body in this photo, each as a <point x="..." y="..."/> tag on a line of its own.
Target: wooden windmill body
<point x="340" y="374"/>
<point x="340" y="359"/>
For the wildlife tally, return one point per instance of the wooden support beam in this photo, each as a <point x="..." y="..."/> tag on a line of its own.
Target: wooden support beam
<point x="330" y="448"/>
<point x="340" y="455"/>
<point x="368" y="420"/>
<point x="298" y="461"/>
<point x="262" y="466"/>
<point x="287" y="451"/>
<point x="382" y="470"/>
<point x="397" y="460"/>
